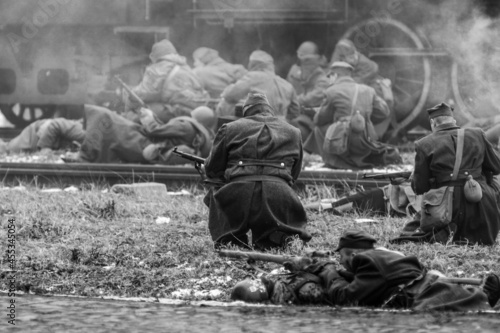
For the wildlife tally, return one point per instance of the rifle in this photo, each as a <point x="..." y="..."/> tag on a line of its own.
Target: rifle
<point x="131" y="92"/>
<point x="406" y="175"/>
<point x="296" y="262"/>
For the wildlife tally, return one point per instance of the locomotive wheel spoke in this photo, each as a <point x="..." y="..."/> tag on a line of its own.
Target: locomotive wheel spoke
<point x="411" y="76"/>
<point x="420" y="83"/>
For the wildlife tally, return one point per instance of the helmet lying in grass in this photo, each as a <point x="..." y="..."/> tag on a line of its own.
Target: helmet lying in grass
<point x="252" y="291"/>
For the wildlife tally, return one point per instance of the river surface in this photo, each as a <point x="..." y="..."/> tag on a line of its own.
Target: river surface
<point x="68" y="314"/>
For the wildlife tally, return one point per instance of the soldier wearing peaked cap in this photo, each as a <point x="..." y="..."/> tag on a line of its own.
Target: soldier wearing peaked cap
<point x="374" y="277"/>
<point x="472" y="222"/>
<point x="259" y="157"/>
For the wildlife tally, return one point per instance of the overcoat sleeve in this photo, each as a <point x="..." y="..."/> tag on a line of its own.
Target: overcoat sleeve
<point x="367" y="281"/>
<point x="237" y="91"/>
<point x="324" y="115"/>
<point x="491" y="162"/>
<point x="297" y="166"/>
<point x="59" y="129"/>
<point x="216" y="162"/>
<point x="294" y="108"/>
<point x="421" y="173"/>
<point x="316" y="95"/>
<point x="380" y="109"/>
<point x="149" y="90"/>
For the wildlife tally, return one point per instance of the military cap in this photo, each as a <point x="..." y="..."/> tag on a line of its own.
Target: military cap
<point x="356" y="239"/>
<point x="442" y="109"/>
<point x="341" y="64"/>
<point x="254" y="98"/>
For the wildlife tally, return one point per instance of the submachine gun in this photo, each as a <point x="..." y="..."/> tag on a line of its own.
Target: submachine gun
<point x="198" y="162"/>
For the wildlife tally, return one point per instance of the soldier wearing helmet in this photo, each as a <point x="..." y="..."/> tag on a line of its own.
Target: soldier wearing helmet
<point x="111" y="138"/>
<point x="169" y="86"/>
<point x="308" y="77"/>
<point x="261" y="76"/>
<point x="215" y="73"/>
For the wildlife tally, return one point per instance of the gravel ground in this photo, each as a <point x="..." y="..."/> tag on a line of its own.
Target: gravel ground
<point x="63" y="314"/>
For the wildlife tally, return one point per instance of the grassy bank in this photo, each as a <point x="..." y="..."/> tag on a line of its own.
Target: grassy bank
<point x="92" y="244"/>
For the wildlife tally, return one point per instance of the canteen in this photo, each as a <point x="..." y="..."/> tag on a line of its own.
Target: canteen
<point x="472" y="190"/>
<point x="358" y="123"/>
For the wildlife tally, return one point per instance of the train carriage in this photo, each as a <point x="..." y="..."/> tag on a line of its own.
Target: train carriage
<point x="56" y="55"/>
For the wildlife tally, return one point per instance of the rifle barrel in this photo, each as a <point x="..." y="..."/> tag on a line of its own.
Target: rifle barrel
<point x="131" y="92"/>
<point x="279" y="259"/>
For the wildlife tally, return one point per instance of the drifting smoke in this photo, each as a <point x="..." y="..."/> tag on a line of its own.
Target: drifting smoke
<point x="76" y="35"/>
<point x="470" y="32"/>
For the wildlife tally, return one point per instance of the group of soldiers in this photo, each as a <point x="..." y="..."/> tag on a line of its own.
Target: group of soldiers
<point x="255" y="156"/>
<point x="314" y="95"/>
<point x="258" y="157"/>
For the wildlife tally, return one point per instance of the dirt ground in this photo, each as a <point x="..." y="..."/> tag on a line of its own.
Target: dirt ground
<point x="63" y="314"/>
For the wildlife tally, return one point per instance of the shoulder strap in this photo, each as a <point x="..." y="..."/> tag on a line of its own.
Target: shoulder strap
<point x="459" y="153"/>
<point x="355" y="98"/>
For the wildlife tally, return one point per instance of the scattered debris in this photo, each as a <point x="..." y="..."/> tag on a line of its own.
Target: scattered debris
<point x="366" y="221"/>
<point x="162" y="220"/>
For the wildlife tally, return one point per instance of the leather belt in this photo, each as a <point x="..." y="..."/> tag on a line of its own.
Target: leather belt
<point x="459" y="182"/>
<point x="258" y="178"/>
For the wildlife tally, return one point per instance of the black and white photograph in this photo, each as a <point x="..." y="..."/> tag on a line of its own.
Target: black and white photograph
<point x="250" y="166"/>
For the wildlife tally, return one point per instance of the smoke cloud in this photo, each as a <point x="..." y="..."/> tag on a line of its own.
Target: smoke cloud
<point x="470" y="32"/>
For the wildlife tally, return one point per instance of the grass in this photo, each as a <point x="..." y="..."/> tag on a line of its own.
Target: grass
<point x="91" y="243"/>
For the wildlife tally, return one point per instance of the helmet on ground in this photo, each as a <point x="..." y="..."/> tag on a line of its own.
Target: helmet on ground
<point x="248" y="290"/>
<point x="205" y="116"/>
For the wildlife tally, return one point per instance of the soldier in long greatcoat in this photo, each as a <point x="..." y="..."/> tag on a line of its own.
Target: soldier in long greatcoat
<point x="434" y="161"/>
<point x="258" y="157"/>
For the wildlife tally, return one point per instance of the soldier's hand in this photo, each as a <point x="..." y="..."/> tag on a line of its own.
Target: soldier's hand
<point x="297" y="264"/>
<point x="327" y="274"/>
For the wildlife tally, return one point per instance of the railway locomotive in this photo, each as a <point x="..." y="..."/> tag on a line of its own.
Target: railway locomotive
<point x="57" y="55"/>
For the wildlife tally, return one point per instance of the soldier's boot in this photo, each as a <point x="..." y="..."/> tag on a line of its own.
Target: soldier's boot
<point x="492" y="289"/>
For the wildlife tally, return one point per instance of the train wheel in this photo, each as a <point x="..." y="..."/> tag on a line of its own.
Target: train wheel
<point x="21" y="115"/>
<point x="394" y="47"/>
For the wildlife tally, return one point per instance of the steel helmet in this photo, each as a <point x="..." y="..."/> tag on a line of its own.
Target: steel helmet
<point x="248" y="290"/>
<point x="205" y="116"/>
